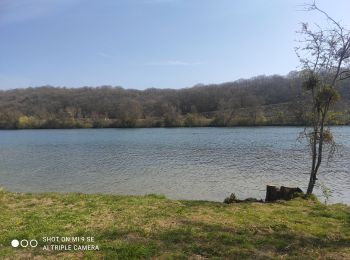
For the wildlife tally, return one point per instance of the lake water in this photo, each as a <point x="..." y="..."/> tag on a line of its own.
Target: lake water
<point x="181" y="163"/>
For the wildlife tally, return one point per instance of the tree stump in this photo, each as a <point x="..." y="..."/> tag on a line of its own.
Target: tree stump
<point x="274" y="193"/>
<point x="288" y="193"/>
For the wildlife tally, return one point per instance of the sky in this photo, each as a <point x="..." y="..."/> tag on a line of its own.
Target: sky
<point x="150" y="43"/>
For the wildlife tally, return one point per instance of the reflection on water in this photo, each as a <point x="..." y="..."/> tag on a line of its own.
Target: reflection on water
<point x="182" y="163"/>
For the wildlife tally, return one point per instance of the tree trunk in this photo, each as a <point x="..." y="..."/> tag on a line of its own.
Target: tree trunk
<point x="312" y="183"/>
<point x="317" y="155"/>
<point x="312" y="180"/>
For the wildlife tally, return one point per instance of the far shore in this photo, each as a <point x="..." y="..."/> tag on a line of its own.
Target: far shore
<point x="172" y="127"/>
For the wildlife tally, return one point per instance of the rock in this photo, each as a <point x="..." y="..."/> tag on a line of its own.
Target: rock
<point x="252" y="200"/>
<point x="274" y="193"/>
<point x="233" y="199"/>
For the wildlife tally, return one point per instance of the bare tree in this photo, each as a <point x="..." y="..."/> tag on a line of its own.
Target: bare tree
<point x="325" y="57"/>
<point x="226" y="110"/>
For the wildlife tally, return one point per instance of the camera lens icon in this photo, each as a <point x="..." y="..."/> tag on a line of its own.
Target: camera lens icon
<point x="24" y="243"/>
<point x="15" y="243"/>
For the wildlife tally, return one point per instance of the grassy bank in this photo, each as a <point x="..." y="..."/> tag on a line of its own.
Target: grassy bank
<point x="132" y="227"/>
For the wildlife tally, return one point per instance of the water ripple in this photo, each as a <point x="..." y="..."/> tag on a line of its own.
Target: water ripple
<point x="191" y="163"/>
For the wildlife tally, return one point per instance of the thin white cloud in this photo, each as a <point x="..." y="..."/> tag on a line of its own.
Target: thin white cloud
<point x="104" y="54"/>
<point x="173" y="63"/>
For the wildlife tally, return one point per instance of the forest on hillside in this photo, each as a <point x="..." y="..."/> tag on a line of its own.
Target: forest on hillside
<point x="262" y="100"/>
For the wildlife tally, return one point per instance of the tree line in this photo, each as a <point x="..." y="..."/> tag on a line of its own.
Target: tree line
<point x="262" y="100"/>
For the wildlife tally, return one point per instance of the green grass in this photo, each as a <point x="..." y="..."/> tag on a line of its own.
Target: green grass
<point x="153" y="227"/>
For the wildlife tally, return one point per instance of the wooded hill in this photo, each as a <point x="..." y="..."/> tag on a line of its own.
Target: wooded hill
<point x="262" y="100"/>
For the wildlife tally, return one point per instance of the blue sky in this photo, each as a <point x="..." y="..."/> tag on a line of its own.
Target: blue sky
<point x="149" y="43"/>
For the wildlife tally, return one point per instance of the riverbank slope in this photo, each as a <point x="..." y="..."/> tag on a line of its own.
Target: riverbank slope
<point x="143" y="227"/>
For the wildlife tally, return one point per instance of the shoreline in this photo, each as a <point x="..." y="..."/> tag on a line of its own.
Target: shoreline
<point x="172" y="127"/>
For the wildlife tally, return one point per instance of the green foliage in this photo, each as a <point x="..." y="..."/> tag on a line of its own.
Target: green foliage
<point x="27" y="122"/>
<point x="327" y="95"/>
<point x="326" y="192"/>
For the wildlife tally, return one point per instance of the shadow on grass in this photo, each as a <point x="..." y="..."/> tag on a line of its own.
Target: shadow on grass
<point x="193" y="238"/>
<point x="214" y="240"/>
